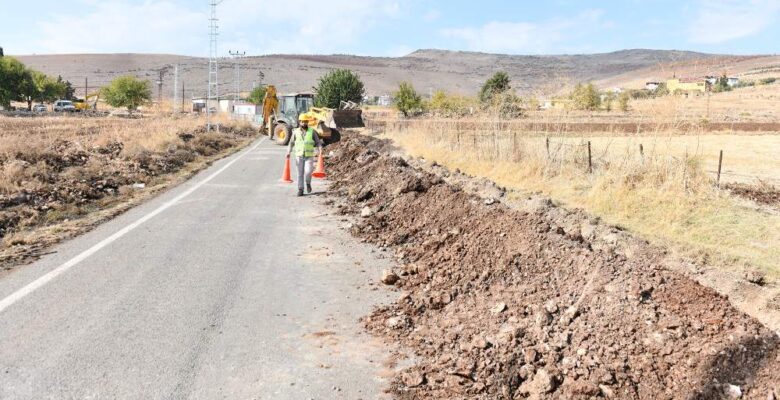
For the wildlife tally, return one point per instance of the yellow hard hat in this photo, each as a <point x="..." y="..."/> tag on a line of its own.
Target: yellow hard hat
<point x="304" y="117"/>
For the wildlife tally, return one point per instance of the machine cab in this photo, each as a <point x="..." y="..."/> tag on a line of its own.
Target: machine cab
<point x="293" y="105"/>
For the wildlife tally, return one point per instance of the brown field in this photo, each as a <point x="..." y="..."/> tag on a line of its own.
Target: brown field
<point x="60" y="175"/>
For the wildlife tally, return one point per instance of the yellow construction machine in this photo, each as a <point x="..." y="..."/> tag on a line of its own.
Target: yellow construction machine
<point x="281" y="112"/>
<point x="85" y="104"/>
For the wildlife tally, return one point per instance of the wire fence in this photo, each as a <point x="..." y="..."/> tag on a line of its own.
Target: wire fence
<point x="558" y="151"/>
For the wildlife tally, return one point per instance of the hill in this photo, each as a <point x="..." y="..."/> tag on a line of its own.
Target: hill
<point x="461" y="72"/>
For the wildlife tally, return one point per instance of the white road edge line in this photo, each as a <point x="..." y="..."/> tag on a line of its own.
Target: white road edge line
<point x="36" y="284"/>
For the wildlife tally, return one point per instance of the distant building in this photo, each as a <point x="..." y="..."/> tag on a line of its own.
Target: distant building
<point x="688" y="85"/>
<point x="384" y="100"/>
<point x="732" y="81"/>
<point x="554" y="104"/>
<point x="652" y="86"/>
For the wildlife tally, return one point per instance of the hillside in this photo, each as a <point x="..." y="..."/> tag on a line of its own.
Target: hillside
<point x="461" y="72"/>
<point x="745" y="67"/>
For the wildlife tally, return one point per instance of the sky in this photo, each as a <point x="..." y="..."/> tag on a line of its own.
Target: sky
<point x="389" y="27"/>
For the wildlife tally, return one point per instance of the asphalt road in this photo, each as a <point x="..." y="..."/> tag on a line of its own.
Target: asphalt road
<point x="225" y="287"/>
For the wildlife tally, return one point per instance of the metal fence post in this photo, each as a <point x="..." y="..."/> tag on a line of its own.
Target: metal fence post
<point x="590" y="159"/>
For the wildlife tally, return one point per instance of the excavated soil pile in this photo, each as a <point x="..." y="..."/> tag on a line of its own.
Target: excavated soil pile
<point x="761" y="194"/>
<point x="500" y="303"/>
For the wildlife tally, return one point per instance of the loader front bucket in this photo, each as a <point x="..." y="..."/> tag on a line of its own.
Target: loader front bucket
<point x="348" y="119"/>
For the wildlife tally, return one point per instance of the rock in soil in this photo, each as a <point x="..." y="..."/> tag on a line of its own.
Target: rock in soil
<point x="389" y="277"/>
<point x="581" y="319"/>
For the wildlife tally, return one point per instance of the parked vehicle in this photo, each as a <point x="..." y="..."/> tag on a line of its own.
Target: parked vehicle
<point x="64" y="105"/>
<point x="40" y="108"/>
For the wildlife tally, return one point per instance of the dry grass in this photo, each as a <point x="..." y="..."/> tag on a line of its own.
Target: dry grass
<point x="33" y="138"/>
<point x="665" y="195"/>
<point x="75" y="170"/>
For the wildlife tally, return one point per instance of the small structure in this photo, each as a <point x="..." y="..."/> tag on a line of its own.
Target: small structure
<point x="384" y="100"/>
<point x="199" y="105"/>
<point x="732" y="81"/>
<point x="554" y="104"/>
<point x="688" y="85"/>
<point x="652" y="86"/>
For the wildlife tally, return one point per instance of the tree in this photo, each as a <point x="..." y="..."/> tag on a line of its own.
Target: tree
<point x="661" y="90"/>
<point x="70" y="91"/>
<point x="585" y="97"/>
<point x="257" y="95"/>
<point x="127" y="91"/>
<point x="451" y="105"/>
<point x="498" y="83"/>
<point x="12" y="77"/>
<point x="47" y="89"/>
<point x="623" y="101"/>
<point x="407" y="100"/>
<point x="337" y="86"/>
<point x="722" y="84"/>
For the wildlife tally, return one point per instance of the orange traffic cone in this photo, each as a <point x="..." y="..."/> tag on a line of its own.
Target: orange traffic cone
<point x="286" y="174"/>
<point x="319" y="172"/>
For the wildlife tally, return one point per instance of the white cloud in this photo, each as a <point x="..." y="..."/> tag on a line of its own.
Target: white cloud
<point x="525" y="37"/>
<point x="719" y="21"/>
<point x="181" y="27"/>
<point x="119" y="26"/>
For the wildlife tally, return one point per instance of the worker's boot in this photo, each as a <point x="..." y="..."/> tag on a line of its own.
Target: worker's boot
<point x="300" y="192"/>
<point x="308" y="188"/>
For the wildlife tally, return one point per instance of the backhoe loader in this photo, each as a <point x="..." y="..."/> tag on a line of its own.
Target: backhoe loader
<point x="86" y="104"/>
<point x="280" y="116"/>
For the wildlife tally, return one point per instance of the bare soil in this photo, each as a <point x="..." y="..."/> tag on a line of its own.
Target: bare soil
<point x="761" y="194"/>
<point x="505" y="303"/>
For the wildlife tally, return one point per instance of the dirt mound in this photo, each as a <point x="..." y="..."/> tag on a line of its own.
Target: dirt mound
<point x="500" y="303"/>
<point x="761" y="194"/>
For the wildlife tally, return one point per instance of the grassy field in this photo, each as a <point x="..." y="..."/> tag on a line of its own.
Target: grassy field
<point x="665" y="194"/>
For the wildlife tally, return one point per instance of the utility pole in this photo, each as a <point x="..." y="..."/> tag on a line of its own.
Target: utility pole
<point x="213" y="88"/>
<point x="182" y="95"/>
<point x="237" y="61"/>
<point x="86" y="88"/>
<point x="159" y="89"/>
<point x="175" y="87"/>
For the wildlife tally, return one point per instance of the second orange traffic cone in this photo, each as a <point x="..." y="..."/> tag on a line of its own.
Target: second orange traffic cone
<point x="319" y="172"/>
<point x="286" y="173"/>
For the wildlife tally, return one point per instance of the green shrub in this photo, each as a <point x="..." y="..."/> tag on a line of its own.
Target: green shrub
<point x="257" y="95"/>
<point x="497" y="84"/>
<point x="337" y="86"/>
<point x="450" y="105"/>
<point x="127" y="91"/>
<point x="407" y="100"/>
<point x="585" y="97"/>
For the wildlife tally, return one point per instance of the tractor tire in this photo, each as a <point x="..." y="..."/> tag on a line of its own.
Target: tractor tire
<point x="335" y="137"/>
<point x="282" y="134"/>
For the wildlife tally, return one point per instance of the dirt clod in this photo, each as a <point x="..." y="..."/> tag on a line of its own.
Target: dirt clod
<point x="389" y="277"/>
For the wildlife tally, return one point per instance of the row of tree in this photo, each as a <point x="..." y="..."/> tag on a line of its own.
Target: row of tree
<point x="495" y="96"/>
<point x="19" y="83"/>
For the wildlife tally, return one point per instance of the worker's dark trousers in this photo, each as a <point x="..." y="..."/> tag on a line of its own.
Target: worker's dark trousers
<point x="305" y="168"/>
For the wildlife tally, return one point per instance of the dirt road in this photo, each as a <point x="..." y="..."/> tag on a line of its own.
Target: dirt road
<point x="224" y="287"/>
